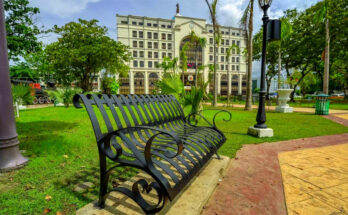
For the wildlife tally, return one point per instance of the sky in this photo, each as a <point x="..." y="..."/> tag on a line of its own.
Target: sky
<point x="60" y="12"/>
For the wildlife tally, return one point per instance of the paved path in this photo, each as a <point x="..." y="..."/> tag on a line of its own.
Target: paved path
<point x="316" y="180"/>
<point x="296" y="109"/>
<point x="253" y="182"/>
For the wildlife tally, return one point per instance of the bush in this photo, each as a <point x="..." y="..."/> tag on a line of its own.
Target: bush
<point x="63" y="95"/>
<point x="22" y="94"/>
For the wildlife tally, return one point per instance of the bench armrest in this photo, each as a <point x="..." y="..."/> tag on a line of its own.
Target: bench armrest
<point x="104" y="142"/>
<point x="212" y="125"/>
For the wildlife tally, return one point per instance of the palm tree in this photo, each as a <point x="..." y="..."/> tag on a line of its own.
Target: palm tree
<point x="247" y="23"/>
<point x="322" y="16"/>
<point x="285" y="33"/>
<point x="216" y="41"/>
<point x="183" y="58"/>
<point x="228" y="55"/>
<point x="197" y="43"/>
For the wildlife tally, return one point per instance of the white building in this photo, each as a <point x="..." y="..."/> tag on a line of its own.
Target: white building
<point x="151" y="39"/>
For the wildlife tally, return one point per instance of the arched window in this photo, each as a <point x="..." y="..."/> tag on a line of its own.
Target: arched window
<point x="192" y="53"/>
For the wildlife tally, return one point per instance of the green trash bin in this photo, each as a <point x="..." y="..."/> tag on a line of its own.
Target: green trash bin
<point x="322" y="105"/>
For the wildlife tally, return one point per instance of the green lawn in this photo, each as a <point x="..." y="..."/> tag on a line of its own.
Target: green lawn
<point x="62" y="150"/>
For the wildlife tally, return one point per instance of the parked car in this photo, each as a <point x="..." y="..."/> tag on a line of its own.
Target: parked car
<point x="337" y="96"/>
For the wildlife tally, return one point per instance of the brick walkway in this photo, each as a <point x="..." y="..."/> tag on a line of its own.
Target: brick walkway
<point x="253" y="182"/>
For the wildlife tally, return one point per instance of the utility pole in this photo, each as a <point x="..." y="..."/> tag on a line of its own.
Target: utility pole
<point x="10" y="156"/>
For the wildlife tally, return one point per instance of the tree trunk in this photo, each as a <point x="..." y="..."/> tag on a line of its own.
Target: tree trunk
<point x="279" y="71"/>
<point x="248" y="104"/>
<point x="196" y="71"/>
<point x="215" y="78"/>
<point x="327" y="59"/>
<point x="228" y="87"/>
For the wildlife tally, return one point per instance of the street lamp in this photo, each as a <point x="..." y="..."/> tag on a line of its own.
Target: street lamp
<point x="10" y="157"/>
<point x="261" y="113"/>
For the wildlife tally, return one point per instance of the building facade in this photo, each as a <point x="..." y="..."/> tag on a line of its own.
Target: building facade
<point x="152" y="39"/>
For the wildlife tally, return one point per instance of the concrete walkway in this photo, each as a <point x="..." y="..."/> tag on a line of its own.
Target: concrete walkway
<point x="253" y="183"/>
<point x="316" y="180"/>
<point x="296" y="109"/>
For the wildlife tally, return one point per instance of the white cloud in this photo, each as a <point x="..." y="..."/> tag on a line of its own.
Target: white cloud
<point x="231" y="11"/>
<point x="275" y="14"/>
<point x="62" y="8"/>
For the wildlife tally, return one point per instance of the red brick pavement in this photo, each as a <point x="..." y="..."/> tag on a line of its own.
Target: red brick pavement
<point x="253" y="184"/>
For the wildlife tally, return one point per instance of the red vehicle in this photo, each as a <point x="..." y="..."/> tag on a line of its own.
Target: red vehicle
<point x="41" y="97"/>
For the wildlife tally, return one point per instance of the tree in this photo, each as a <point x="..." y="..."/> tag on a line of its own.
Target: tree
<point x="248" y="25"/>
<point x="228" y="55"/>
<point x="20" y="29"/>
<point x="183" y="58"/>
<point x="197" y="43"/>
<point x="216" y="42"/>
<point x="322" y="17"/>
<point x="82" y="51"/>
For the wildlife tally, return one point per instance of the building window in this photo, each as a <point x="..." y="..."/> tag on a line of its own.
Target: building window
<point x="211" y="57"/>
<point x="222" y="42"/>
<point x="134" y="23"/>
<point x="233" y="33"/>
<point x="210" y="31"/>
<point x="155" y="36"/>
<point x="210" y="49"/>
<point x="233" y="59"/>
<point x="124" y="22"/>
<point x="222" y="50"/>
<point x="226" y="67"/>
<point x="140" y="23"/>
<point x="149" y="64"/>
<point x="222" y="58"/>
<point x="222" y="67"/>
<point x="149" y="35"/>
<point x="211" y="41"/>
<point x="149" y="24"/>
<point x="149" y="45"/>
<point x="227" y="42"/>
<point x="163" y="36"/>
<point x="141" y="53"/>
<point x="155" y="25"/>
<point x="163" y="54"/>
<point x="163" y="26"/>
<point x="141" y="44"/>
<point x="141" y="34"/>
<point x="135" y="54"/>
<point x="169" y="36"/>
<point x="169" y="46"/>
<point x="156" y="64"/>
<point x="169" y="26"/>
<point x="233" y="51"/>
<point x="170" y="55"/>
<point x="134" y="34"/>
<point x="163" y="46"/>
<point x="155" y="44"/>
<point x="135" y="44"/>
<point x="233" y="42"/>
<point x="237" y="68"/>
<point x="155" y="54"/>
<point x="149" y="54"/>
<point x="135" y="63"/>
<point x="237" y="59"/>
<point x="141" y="63"/>
<point x="238" y="43"/>
<point x="237" y="34"/>
<point x="233" y="67"/>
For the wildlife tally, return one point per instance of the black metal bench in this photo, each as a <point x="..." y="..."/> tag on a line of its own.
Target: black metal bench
<point x="151" y="133"/>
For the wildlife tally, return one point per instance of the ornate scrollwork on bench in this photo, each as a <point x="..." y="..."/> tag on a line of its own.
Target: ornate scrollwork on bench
<point x="152" y="134"/>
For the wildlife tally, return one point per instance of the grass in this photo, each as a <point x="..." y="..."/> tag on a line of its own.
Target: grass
<point x="62" y="150"/>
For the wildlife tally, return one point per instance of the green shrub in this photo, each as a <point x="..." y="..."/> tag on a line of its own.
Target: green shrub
<point x="22" y="94"/>
<point x="63" y="95"/>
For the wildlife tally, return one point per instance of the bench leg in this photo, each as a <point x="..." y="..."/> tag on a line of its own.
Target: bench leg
<point x="104" y="178"/>
<point x="218" y="156"/>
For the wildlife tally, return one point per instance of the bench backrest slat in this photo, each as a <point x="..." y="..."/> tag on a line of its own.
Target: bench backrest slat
<point x="128" y="110"/>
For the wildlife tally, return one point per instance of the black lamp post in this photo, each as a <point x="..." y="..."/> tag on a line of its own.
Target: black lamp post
<point x="10" y="157"/>
<point x="261" y="113"/>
